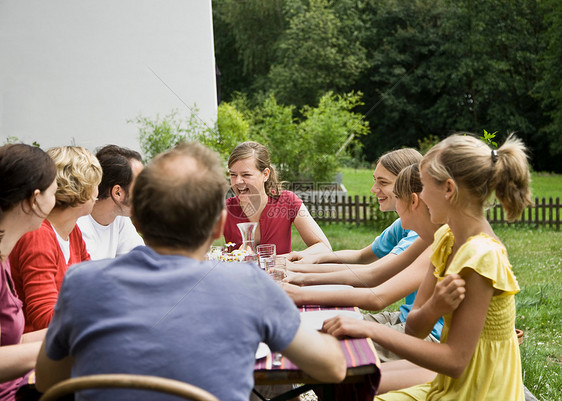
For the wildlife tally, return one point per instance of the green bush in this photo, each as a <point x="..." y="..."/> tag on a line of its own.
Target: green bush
<point x="160" y="134"/>
<point x="311" y="147"/>
<point x="230" y="129"/>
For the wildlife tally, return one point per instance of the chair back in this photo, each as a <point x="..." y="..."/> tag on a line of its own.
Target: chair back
<point x="130" y="381"/>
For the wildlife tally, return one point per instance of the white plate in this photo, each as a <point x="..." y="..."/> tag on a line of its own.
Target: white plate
<point x="315" y="319"/>
<point x="327" y="287"/>
<point x="262" y="351"/>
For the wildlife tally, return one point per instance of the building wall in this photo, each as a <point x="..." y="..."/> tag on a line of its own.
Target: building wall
<point x="74" y="72"/>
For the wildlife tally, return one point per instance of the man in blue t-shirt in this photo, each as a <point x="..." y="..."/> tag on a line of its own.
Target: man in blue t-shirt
<point x="164" y="310"/>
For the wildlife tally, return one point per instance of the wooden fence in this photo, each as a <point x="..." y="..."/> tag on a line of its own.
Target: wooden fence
<point x="543" y="213"/>
<point x="363" y="210"/>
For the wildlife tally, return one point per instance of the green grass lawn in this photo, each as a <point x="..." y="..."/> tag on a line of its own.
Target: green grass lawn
<point x="536" y="258"/>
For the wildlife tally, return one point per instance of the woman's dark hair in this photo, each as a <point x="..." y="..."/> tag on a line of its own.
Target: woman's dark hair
<point x="115" y="163"/>
<point x="23" y="169"/>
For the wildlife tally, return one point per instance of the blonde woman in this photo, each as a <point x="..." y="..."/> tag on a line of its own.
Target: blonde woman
<point x="40" y="258"/>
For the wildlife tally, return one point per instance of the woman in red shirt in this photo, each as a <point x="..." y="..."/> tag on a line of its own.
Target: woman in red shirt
<point x="259" y="198"/>
<point x="40" y="258"/>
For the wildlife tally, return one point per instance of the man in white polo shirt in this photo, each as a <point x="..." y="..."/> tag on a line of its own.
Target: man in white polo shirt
<point x="108" y="231"/>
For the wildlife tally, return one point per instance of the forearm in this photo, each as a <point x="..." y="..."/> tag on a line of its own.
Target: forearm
<point x="38" y="335"/>
<point x="320" y="268"/>
<point x="365" y="298"/>
<point x="50" y="372"/>
<point x="319" y="247"/>
<point x="317" y="354"/>
<point x="346" y="277"/>
<point x="16" y="360"/>
<point x="346" y="256"/>
<point x="420" y="322"/>
<point x="438" y="357"/>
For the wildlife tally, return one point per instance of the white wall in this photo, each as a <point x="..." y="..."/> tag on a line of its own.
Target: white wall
<point x="74" y="72"/>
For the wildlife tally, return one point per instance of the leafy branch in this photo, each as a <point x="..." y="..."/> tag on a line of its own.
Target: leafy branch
<point x="488" y="138"/>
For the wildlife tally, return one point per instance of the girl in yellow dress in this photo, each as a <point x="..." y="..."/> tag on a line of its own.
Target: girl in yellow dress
<point x="470" y="281"/>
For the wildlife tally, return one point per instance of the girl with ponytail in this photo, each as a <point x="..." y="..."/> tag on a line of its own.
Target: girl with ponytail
<point x="470" y="283"/>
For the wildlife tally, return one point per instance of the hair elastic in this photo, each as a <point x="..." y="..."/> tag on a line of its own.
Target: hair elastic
<point x="494" y="156"/>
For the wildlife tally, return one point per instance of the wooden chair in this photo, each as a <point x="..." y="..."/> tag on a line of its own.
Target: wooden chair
<point x="130" y="381"/>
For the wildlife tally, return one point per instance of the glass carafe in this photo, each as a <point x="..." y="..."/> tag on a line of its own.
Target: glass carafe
<point x="248" y="230"/>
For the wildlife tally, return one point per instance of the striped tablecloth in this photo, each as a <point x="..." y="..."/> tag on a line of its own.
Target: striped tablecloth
<point x="358" y="352"/>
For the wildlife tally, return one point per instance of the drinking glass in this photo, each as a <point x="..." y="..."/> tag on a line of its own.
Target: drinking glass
<point x="266" y="254"/>
<point x="279" y="270"/>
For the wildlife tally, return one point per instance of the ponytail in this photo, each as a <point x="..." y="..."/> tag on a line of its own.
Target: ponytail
<point x="511" y="178"/>
<point x="472" y="165"/>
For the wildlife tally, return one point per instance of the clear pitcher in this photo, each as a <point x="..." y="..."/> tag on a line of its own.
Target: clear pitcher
<point x="248" y="230"/>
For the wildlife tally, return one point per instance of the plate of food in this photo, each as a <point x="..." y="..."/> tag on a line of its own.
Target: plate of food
<point x="315" y="319"/>
<point x="327" y="287"/>
<point x="262" y="351"/>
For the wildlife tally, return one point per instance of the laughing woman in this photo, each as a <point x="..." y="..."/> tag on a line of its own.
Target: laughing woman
<point x="259" y="198"/>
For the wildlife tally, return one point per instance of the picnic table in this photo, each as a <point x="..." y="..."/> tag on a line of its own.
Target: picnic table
<point x="361" y="381"/>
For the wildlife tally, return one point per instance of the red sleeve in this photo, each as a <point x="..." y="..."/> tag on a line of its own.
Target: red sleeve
<point x="35" y="262"/>
<point x="78" y="247"/>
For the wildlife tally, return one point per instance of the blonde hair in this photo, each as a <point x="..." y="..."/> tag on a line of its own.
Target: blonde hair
<point x="408" y="182"/>
<point x="78" y="175"/>
<point x="245" y="150"/>
<point x="395" y="161"/>
<point x="473" y="166"/>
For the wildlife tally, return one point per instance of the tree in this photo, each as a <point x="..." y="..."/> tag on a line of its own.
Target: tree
<point x="316" y="54"/>
<point x="246" y="35"/>
<point x="324" y="132"/>
<point x="549" y="88"/>
<point x="439" y="66"/>
<point x="427" y="67"/>
<point x="489" y="86"/>
<point x="403" y="44"/>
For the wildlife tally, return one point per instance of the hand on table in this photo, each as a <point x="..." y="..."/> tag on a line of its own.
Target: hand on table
<point x="308" y="259"/>
<point x="300" y="258"/>
<point x="448" y="294"/>
<point x="344" y="326"/>
<point x="293" y="278"/>
<point x="293" y="256"/>
<point x="301" y="268"/>
<point x="293" y="291"/>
